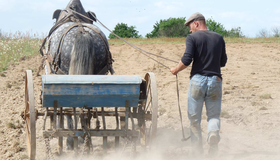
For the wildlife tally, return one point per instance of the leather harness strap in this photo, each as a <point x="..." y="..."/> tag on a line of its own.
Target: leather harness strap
<point x="57" y="24"/>
<point x="56" y="60"/>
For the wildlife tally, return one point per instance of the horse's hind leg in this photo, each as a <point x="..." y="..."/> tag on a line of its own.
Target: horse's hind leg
<point x="70" y="140"/>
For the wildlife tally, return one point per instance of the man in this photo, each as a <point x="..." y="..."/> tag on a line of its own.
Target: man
<point x="206" y="49"/>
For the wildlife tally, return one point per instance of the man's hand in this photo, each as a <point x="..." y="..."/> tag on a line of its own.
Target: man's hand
<point x="178" y="68"/>
<point x="174" y="71"/>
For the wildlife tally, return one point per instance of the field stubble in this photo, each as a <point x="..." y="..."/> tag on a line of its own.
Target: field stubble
<point x="250" y="123"/>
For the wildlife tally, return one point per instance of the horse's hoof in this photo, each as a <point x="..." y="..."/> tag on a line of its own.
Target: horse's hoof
<point x="69" y="143"/>
<point x="69" y="148"/>
<point x="81" y="140"/>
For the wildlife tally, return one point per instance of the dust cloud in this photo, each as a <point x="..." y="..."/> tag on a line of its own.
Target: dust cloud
<point x="250" y="123"/>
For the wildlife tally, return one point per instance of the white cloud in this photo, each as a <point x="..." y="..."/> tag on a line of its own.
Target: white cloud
<point x="167" y="8"/>
<point x="235" y="15"/>
<point x="7" y="5"/>
<point x="277" y="11"/>
<point x="43" y="6"/>
<point x="251" y="16"/>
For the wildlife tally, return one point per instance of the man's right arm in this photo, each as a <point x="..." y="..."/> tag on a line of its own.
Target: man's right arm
<point x="224" y="55"/>
<point x="189" y="52"/>
<point x="187" y="57"/>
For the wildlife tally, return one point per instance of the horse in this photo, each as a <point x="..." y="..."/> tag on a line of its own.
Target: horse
<point x="76" y="46"/>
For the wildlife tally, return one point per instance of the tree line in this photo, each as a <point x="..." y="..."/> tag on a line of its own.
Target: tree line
<point x="174" y="27"/>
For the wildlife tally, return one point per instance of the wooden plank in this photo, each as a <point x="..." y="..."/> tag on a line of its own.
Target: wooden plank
<point x="103" y="118"/>
<point x="60" y="145"/>
<point x="51" y="121"/>
<point x="117" y="142"/>
<point x="75" y="119"/>
<point x="47" y="67"/>
<point x="90" y="90"/>
<point x="117" y="118"/>
<point x="126" y="114"/>
<point x="147" y="116"/>
<point x="76" y="149"/>
<point x="61" y="125"/>
<point x="91" y="95"/>
<point x="95" y="133"/>
<point x="91" y="79"/>
<point x="31" y="121"/>
<point x="96" y="90"/>
<point x="91" y="101"/>
<point x="55" y="114"/>
<point x="105" y="144"/>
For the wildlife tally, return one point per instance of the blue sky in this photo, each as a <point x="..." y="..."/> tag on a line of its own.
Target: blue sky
<point x="36" y="15"/>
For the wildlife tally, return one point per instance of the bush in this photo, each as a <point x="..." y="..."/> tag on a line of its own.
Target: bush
<point x="172" y="27"/>
<point x="216" y="27"/>
<point x="263" y="33"/>
<point x="124" y="31"/>
<point x="235" y="33"/>
<point x="275" y="31"/>
<point x="154" y="32"/>
<point x="219" y="28"/>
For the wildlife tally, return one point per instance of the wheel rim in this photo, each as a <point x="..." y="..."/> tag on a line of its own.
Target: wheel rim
<point x="150" y="106"/>
<point x="30" y="115"/>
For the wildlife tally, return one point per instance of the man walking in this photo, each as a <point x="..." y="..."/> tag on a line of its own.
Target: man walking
<point x="206" y="49"/>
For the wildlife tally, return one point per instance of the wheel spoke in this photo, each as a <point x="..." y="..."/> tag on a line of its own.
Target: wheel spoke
<point x="27" y="126"/>
<point x="148" y="96"/>
<point x="151" y="107"/>
<point x="149" y="133"/>
<point x="148" y="90"/>
<point x="30" y="120"/>
<point x="149" y="104"/>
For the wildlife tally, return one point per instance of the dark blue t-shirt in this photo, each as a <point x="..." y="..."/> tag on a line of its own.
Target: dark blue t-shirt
<point x="207" y="51"/>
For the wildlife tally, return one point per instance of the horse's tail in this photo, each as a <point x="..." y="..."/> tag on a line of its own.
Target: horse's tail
<point x="82" y="55"/>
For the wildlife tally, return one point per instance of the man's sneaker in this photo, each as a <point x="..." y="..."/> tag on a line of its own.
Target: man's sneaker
<point x="213" y="141"/>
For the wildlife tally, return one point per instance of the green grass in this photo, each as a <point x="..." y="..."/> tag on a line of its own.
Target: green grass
<point x="17" y="47"/>
<point x="12" y="50"/>
<point x="263" y="108"/>
<point x="148" y="41"/>
<point x="183" y="40"/>
<point x="225" y="114"/>
<point x="252" y="40"/>
<point x="265" y="96"/>
<point x="11" y="125"/>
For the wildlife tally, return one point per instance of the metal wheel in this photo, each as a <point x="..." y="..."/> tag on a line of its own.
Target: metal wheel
<point x="29" y="115"/>
<point x="150" y="107"/>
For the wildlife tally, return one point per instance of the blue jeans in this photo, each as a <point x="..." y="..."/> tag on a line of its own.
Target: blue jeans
<point x="202" y="89"/>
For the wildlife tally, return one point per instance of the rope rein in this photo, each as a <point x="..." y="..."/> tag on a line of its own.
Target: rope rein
<point x="146" y="54"/>
<point x="135" y="47"/>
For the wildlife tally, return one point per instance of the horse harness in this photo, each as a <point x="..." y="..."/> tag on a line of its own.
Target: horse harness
<point x="55" y="61"/>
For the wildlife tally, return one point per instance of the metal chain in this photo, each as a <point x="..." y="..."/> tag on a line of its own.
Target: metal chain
<point x="86" y="141"/>
<point x="84" y="146"/>
<point x="131" y="143"/>
<point x="133" y="146"/>
<point x="126" y="143"/>
<point x="48" y="147"/>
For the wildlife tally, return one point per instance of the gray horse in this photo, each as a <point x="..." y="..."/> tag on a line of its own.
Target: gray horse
<point x="76" y="46"/>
